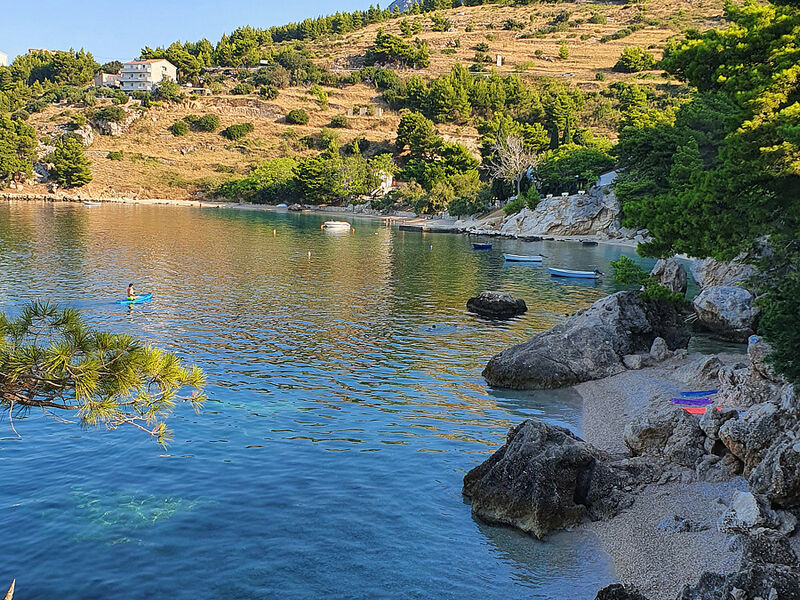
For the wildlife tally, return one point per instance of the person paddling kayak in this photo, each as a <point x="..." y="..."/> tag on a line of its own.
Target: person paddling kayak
<point x="131" y="292"/>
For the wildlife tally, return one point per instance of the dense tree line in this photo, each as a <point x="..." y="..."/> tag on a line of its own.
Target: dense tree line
<point x="721" y="175"/>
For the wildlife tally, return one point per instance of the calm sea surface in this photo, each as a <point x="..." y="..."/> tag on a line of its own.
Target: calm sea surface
<point x="346" y="404"/>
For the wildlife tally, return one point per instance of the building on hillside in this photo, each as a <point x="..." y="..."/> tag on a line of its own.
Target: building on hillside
<point x="143" y="75"/>
<point x="107" y="80"/>
<point x="3" y="59"/>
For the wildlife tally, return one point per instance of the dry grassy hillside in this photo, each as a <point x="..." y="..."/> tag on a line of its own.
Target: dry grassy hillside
<point x="158" y="165"/>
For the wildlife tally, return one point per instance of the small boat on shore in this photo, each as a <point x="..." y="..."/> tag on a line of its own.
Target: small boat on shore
<point x="336" y="225"/>
<point x="696" y="410"/>
<point x="481" y="246"/>
<point x="522" y="258"/>
<point x="91" y="203"/>
<point x="570" y="273"/>
<point x="692" y="401"/>
<point x="698" y="394"/>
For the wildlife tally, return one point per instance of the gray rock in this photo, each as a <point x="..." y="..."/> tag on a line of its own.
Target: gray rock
<point x="589" y="345"/>
<point x="764" y="582"/>
<point x="574" y="215"/>
<point x="496" y="305"/>
<point x="765" y="547"/>
<point x="712" y="420"/>
<point x="676" y="524"/>
<point x="671" y="275"/>
<point x="545" y="478"/>
<point x="659" y="351"/>
<point x="633" y="362"/>
<point x="727" y="311"/>
<point x="536" y="482"/>
<point x="750" y="514"/>
<point x="670" y="434"/>
<point x="777" y="475"/>
<point x="709" y="272"/>
<point x="750" y="437"/>
<point x="619" y="591"/>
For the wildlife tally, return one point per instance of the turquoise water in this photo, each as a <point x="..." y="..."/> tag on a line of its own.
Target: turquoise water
<point x="346" y="406"/>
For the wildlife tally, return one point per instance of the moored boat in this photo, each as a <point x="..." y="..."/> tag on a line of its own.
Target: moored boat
<point x="337" y="225"/>
<point x="570" y="273"/>
<point x="91" y="203"/>
<point x="522" y="258"/>
<point x="481" y="246"/>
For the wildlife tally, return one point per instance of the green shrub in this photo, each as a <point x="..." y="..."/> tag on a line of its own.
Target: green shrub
<point x="76" y="121"/>
<point x="482" y="47"/>
<point x="598" y="19"/>
<point x="320" y="94"/>
<point x="268" y="92"/>
<point x="563" y="51"/>
<point x="297" y="117"/>
<point x="242" y="89"/>
<point x="179" y="128"/>
<point x="513" y="25"/>
<point x="207" y="122"/>
<point x="238" y="131"/>
<point x="514" y="206"/>
<point x="440" y="22"/>
<point x="339" y="121"/>
<point x="115" y="155"/>
<point x="627" y="272"/>
<point x="113" y="114"/>
<point x="600" y="76"/>
<point x="634" y="59"/>
<point x="168" y="90"/>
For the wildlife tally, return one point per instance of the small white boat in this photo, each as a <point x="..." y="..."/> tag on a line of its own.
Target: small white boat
<point x="570" y="273"/>
<point x="522" y="258"/>
<point x="336" y="225"/>
<point x="282" y="205"/>
<point x="91" y="203"/>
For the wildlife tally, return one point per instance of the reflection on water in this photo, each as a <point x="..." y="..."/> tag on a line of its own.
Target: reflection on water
<point x="346" y="405"/>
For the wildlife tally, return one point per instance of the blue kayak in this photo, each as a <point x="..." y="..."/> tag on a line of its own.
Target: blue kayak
<point x="701" y="393"/>
<point x="137" y="300"/>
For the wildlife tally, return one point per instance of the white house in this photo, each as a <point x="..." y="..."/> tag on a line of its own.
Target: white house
<point x="3" y="59"/>
<point x="107" y="80"/>
<point x="142" y="75"/>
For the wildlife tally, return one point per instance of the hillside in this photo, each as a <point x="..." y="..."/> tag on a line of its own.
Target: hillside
<point x="157" y="164"/>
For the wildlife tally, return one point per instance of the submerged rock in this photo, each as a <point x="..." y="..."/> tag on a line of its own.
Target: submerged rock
<point x="727" y="311"/>
<point x="589" y="345"/>
<point x="496" y="305"/>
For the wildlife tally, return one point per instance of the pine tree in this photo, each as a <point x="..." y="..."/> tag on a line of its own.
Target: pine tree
<point x="70" y="165"/>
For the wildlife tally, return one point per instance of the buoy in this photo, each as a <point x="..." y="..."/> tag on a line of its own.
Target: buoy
<point x="274" y="233"/>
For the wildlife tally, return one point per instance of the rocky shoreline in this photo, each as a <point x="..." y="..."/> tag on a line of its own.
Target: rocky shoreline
<point x="690" y="505"/>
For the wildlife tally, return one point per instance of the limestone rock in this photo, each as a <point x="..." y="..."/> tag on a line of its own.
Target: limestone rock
<point x="727" y="311"/>
<point x="589" y="345"/>
<point x="496" y="305"/>
<point x="712" y="420"/>
<point x="585" y="214"/>
<point x="539" y="481"/>
<point x="671" y="275"/>
<point x="659" y="351"/>
<point x="671" y="434"/>
<point x="633" y="362"/>
<point x="749" y="514"/>
<point x="750" y="437"/>
<point x="778" y="474"/>
<point x="765" y="582"/>
<point x="711" y="272"/>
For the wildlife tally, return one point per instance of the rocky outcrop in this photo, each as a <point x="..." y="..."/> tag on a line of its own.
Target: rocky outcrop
<point x="545" y="478"/>
<point x="584" y="214"/>
<point x="589" y="345"/>
<point x="753" y="383"/>
<point x="670" y="434"/>
<point x="116" y="128"/>
<point x="710" y="272"/>
<point x="496" y="305"/>
<point x="619" y="591"/>
<point x="727" y="311"/>
<point x="671" y="275"/>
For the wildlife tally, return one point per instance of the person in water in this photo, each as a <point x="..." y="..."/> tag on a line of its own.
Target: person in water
<point x="131" y="292"/>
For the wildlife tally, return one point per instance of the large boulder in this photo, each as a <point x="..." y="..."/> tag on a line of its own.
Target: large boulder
<point x="584" y="214"/>
<point x="727" y="311"/>
<point x="496" y="305"/>
<point x="545" y="478"/>
<point x="750" y="437"/>
<point x="589" y="345"/>
<point x="673" y="435"/>
<point x="778" y="474"/>
<point x="671" y="275"/>
<point x="619" y="591"/>
<point x="710" y="272"/>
